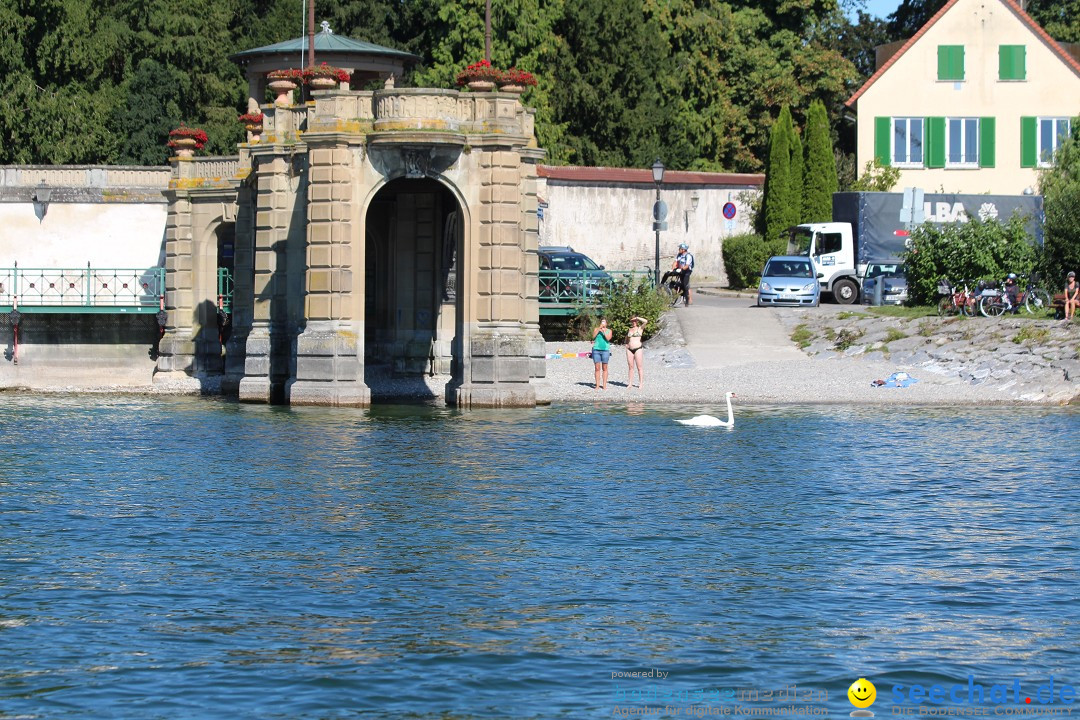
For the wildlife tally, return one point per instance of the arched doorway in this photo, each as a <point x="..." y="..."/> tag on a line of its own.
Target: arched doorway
<point x="414" y="235"/>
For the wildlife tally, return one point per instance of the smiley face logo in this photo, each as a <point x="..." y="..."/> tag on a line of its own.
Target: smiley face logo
<point x="862" y="693"/>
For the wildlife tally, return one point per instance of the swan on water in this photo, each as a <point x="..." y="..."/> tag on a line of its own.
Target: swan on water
<point x="709" y="420"/>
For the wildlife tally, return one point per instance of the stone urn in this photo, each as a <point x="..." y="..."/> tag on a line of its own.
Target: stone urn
<point x="283" y="89"/>
<point x="184" y="146"/>
<point x="322" y="83"/>
<point x="254" y="132"/>
<point x="481" y="85"/>
<point x="515" y="89"/>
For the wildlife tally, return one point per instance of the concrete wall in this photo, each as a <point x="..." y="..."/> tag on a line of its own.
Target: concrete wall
<point x="910" y="88"/>
<point x="611" y="221"/>
<point x="79" y="352"/>
<point x="109" y="217"/>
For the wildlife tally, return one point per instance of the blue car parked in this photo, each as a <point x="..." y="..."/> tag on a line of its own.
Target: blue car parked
<point x="789" y="280"/>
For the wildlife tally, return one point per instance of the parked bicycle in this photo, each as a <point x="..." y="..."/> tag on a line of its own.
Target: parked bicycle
<point x="957" y="300"/>
<point x="1036" y="299"/>
<point x="992" y="301"/>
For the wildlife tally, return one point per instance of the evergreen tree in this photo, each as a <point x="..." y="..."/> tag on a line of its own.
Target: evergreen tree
<point x="820" y="180"/>
<point x="798" y="167"/>
<point x="778" y="190"/>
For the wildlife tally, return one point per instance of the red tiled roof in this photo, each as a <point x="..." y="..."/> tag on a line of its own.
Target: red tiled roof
<point x="1027" y="19"/>
<point x="636" y="176"/>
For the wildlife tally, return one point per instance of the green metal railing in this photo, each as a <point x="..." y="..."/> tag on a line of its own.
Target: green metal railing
<point x="564" y="292"/>
<point x="224" y="290"/>
<point x="82" y="290"/>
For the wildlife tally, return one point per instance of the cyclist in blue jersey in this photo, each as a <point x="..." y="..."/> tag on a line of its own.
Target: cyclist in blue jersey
<point x="684" y="264"/>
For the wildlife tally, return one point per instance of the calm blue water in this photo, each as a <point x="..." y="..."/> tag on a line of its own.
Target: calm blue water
<point x="186" y="558"/>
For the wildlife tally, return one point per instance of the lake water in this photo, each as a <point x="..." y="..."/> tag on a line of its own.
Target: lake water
<point x="192" y="558"/>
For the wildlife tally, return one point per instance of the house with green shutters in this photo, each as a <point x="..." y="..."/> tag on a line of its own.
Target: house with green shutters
<point x="976" y="101"/>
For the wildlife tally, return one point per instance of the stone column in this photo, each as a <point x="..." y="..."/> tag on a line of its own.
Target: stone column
<point x="330" y="351"/>
<point x="176" y="351"/>
<point x="531" y="225"/>
<point x="273" y="217"/>
<point x="243" y="301"/>
<point x="498" y="368"/>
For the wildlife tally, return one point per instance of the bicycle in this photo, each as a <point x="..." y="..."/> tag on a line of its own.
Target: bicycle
<point x="1036" y="299"/>
<point x="957" y="300"/>
<point x="671" y="286"/>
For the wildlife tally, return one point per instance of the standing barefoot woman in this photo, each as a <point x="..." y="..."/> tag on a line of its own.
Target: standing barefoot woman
<point x="635" y="353"/>
<point x="601" y="352"/>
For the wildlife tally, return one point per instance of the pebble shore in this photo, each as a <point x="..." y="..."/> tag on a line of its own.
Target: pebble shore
<point x="956" y="361"/>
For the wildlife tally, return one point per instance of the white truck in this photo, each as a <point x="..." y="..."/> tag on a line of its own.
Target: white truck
<point x="872" y="227"/>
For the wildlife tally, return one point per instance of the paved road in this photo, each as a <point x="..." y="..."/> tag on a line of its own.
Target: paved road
<point x="724" y="332"/>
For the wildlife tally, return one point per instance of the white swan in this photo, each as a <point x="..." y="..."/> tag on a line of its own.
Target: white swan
<point x="710" y="421"/>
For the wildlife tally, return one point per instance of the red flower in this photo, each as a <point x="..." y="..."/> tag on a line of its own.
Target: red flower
<point x="325" y="71"/>
<point x="251" y="118"/>
<point x="482" y="70"/>
<point x="196" y="134"/>
<point x="513" y="76"/>
<point x="286" y="74"/>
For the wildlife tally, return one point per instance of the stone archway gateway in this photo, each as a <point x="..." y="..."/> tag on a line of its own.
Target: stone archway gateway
<point x="436" y="188"/>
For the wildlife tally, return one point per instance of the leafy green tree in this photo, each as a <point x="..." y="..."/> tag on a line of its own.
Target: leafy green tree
<point x="820" y="181"/>
<point x="975" y="249"/>
<point x="877" y="177"/>
<point x="1060" y="188"/>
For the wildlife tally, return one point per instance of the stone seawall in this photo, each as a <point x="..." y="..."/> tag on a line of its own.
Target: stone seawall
<point x="58" y="352"/>
<point x="1023" y="358"/>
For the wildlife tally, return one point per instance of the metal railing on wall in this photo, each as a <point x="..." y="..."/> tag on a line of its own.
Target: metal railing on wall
<point x="82" y="290"/>
<point x="564" y="292"/>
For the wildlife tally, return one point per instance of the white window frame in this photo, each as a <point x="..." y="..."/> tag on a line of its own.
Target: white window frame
<point x="965" y="124"/>
<point x="907" y="123"/>
<point x="1055" y="138"/>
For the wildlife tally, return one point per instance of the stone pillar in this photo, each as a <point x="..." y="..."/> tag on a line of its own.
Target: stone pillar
<point x="176" y="351"/>
<point x="498" y="367"/>
<point x="273" y="217"/>
<point x="330" y="351"/>
<point x="243" y="302"/>
<point x="531" y="224"/>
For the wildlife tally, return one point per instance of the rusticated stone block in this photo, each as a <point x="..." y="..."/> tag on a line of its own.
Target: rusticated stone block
<point x="513" y="369"/>
<point x="322" y="156"/>
<point x="319" y="256"/>
<point x="483" y="370"/>
<point x="317" y="307"/>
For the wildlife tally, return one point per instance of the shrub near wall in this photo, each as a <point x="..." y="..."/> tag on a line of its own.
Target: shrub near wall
<point x="744" y="259"/>
<point x="973" y="250"/>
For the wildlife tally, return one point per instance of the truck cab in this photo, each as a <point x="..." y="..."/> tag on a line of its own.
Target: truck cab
<point x="831" y="248"/>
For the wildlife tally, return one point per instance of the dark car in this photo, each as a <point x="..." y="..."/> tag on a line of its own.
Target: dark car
<point x="894" y="289"/>
<point x="568" y="276"/>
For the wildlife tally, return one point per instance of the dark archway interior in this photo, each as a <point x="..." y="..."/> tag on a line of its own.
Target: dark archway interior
<point x="413" y="236"/>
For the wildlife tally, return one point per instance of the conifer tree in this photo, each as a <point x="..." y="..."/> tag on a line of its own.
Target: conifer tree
<point x="798" y="168"/>
<point x="778" y="178"/>
<point x="820" y="180"/>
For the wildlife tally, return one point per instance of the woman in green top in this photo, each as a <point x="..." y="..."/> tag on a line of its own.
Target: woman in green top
<point x="601" y="352"/>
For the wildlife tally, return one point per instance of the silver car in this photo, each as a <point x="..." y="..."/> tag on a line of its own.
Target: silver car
<point x="789" y="280"/>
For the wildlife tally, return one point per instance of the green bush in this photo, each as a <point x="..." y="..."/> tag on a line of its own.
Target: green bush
<point x="974" y="250"/>
<point x="744" y="259"/>
<point x="626" y="299"/>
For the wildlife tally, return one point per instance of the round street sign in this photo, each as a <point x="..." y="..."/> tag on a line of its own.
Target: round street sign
<point x="659" y="211"/>
<point x="729" y="211"/>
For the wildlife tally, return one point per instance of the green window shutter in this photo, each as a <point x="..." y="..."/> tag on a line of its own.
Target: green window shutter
<point x="1012" y="62"/>
<point x="1029" y="145"/>
<point x="950" y="62"/>
<point x="986" y="142"/>
<point x="883" y="140"/>
<point x="935" y="142"/>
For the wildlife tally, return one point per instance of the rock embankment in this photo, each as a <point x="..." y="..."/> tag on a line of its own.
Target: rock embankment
<point x="1026" y="359"/>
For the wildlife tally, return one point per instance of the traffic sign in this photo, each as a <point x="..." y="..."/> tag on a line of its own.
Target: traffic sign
<point x="659" y="211"/>
<point x="729" y="211"/>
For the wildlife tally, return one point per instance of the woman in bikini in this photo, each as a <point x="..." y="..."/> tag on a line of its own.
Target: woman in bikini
<point x="635" y="353"/>
<point x="1072" y="295"/>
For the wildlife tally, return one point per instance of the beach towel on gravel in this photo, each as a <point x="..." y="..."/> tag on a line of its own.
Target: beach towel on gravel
<point x="896" y="380"/>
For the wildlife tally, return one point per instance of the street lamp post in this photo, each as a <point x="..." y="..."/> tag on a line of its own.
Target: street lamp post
<point x="658" y="178"/>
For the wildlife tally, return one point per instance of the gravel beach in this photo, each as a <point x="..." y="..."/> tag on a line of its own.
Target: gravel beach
<point x="749" y="351"/>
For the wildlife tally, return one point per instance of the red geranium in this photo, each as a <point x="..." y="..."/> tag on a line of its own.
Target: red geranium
<point x="513" y="76"/>
<point x="325" y="71"/>
<point x="286" y="74"/>
<point x="251" y="118"/>
<point x="196" y="134"/>
<point x="482" y="70"/>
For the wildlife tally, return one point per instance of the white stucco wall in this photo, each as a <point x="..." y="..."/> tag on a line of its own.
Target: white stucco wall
<point x="612" y="223"/>
<point x="128" y="235"/>
<point x="910" y="88"/>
